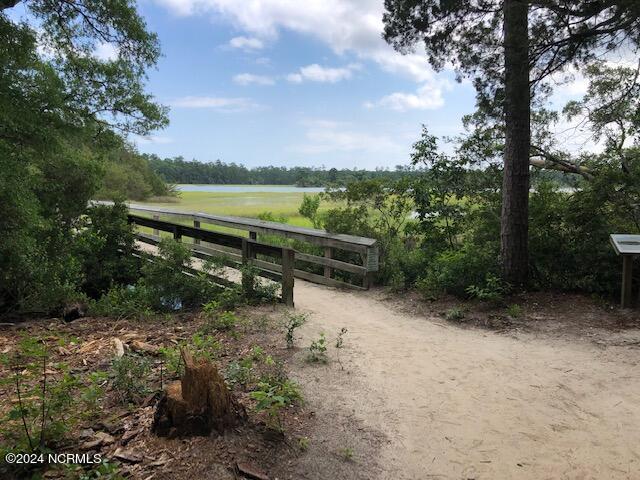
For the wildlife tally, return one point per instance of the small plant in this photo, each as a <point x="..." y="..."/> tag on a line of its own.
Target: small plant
<point x="219" y="321"/>
<point x="128" y="374"/>
<point x="514" y="310"/>
<point x="201" y="346"/>
<point x="347" y="453"/>
<point x="92" y="393"/>
<point x="318" y="350"/>
<point x="43" y="411"/>
<point x="293" y="321"/>
<point x="256" y="353"/>
<point x="239" y="372"/>
<point x="303" y="444"/>
<point x="272" y="395"/>
<point x="340" y="338"/>
<point x="493" y="290"/>
<point x="455" y="314"/>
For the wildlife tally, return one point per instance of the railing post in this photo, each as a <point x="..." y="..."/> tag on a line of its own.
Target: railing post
<point x="253" y="235"/>
<point x="627" y="279"/>
<point x="247" y="281"/>
<point x="177" y="233"/>
<point x="328" y="253"/>
<point x="156" y="233"/>
<point x="196" y="224"/>
<point x="288" y="263"/>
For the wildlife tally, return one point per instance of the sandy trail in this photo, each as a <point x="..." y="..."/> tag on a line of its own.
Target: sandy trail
<point x="462" y="404"/>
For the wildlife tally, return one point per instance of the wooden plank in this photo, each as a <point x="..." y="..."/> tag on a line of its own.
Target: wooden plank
<point x="336" y="264"/>
<point x="288" y="264"/>
<point x="627" y="280"/>
<point x="332" y="282"/>
<point x="328" y="253"/>
<point x="312" y="235"/>
<point x="196" y="224"/>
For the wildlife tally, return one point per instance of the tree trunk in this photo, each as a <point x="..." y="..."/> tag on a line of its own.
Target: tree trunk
<point x="515" y="184"/>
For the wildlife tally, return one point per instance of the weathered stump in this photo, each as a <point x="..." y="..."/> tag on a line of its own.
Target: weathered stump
<point x="198" y="403"/>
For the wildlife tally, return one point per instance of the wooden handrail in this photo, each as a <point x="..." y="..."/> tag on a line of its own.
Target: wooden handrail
<point x="366" y="249"/>
<point x="249" y="248"/>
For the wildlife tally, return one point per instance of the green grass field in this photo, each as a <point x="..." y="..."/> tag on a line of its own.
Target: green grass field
<point x="245" y="204"/>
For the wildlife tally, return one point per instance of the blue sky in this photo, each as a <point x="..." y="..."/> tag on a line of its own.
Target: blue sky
<point x="301" y="82"/>
<point x="292" y="83"/>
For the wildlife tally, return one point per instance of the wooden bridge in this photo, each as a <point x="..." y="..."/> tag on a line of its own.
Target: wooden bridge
<point x="355" y="268"/>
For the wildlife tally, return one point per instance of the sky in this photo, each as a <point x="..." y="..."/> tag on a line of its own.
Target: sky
<point x="299" y="83"/>
<point x="289" y="82"/>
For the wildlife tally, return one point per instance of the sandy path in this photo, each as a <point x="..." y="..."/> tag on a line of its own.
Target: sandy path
<point x="465" y="404"/>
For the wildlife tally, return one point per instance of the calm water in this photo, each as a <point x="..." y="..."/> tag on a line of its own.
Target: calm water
<point x="248" y="188"/>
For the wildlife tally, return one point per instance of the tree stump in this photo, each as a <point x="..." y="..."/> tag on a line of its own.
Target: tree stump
<point x="198" y="403"/>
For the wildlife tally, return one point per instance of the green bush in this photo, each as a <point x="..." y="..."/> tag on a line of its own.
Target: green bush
<point x="454" y="271"/>
<point x="129" y="377"/>
<point x="105" y="248"/>
<point x="170" y="281"/>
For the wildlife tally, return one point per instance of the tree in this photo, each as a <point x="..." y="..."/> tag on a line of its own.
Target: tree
<point x="511" y="48"/>
<point x="60" y="106"/>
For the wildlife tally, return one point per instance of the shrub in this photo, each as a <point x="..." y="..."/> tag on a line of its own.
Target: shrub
<point x="292" y="322"/>
<point x="454" y="271"/>
<point x="274" y="394"/>
<point x="123" y="302"/>
<point x="454" y="314"/>
<point x="318" y="350"/>
<point x="105" y="248"/>
<point x="25" y="426"/>
<point x="171" y="282"/>
<point x="128" y="377"/>
<point x="218" y="321"/>
<point x="492" y="290"/>
<point x="200" y="345"/>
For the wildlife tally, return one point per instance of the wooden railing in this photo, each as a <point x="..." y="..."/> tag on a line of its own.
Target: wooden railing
<point x="249" y="248"/>
<point x="362" y="264"/>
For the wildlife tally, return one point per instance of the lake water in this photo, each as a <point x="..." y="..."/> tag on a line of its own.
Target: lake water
<point x="248" y="188"/>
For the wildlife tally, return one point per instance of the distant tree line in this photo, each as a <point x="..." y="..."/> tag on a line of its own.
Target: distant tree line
<point x="179" y="170"/>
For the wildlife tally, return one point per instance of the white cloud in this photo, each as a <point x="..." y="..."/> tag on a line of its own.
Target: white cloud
<point x="106" y="51"/>
<point x="224" y="104"/>
<point x="247" y="43"/>
<point x="318" y="73"/>
<point x="251" y="79"/>
<point x="427" y="97"/>
<point x="346" y="26"/>
<point x="324" y="136"/>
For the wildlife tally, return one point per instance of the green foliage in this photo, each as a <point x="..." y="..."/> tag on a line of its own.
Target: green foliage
<point x="105" y="471"/>
<point x="274" y="394"/>
<point x="92" y="394"/>
<point x="200" y="345"/>
<point x="453" y="271"/>
<point x="170" y="281"/>
<point x="218" y="321"/>
<point x="492" y="290"/>
<point x="256" y="291"/>
<point x="455" y="314"/>
<point x="303" y="444"/>
<point x="106" y="246"/>
<point x="130" y="301"/>
<point x="514" y="310"/>
<point x="44" y="411"/>
<point x="57" y="114"/>
<point x="347" y="453"/>
<point x="291" y="323"/>
<point x="129" y="377"/>
<point x="309" y="209"/>
<point x="318" y="350"/>
<point x="239" y="372"/>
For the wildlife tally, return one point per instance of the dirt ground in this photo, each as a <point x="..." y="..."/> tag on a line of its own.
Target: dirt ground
<point x="554" y="394"/>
